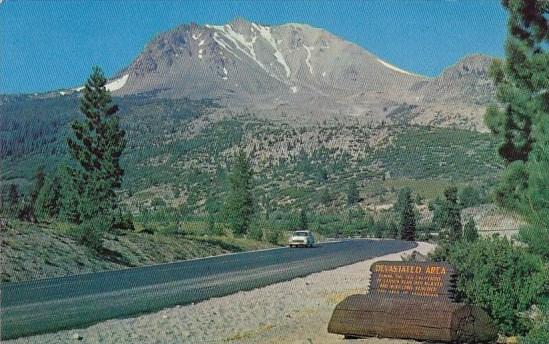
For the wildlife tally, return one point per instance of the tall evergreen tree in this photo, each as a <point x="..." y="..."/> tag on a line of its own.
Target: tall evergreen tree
<point x="402" y="199"/>
<point x="353" y="196"/>
<point x="30" y="209"/>
<point x="303" y="220"/>
<point x="239" y="206"/>
<point x="212" y="214"/>
<point x="407" y="216"/>
<point x="325" y="197"/>
<point x="48" y="201"/>
<point x="470" y="232"/>
<point x="469" y="196"/>
<point x="97" y="146"/>
<point x="69" y="195"/>
<point x="392" y="227"/>
<point x="452" y="219"/>
<point x="13" y="196"/>
<point x="522" y="121"/>
<point x="438" y="208"/>
<point x="39" y="178"/>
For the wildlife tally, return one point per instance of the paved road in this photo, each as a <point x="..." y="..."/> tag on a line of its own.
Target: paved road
<point x="76" y="301"/>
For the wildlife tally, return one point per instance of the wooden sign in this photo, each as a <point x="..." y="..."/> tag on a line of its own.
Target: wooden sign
<point x="412" y="300"/>
<point x="424" y="320"/>
<point x="406" y="279"/>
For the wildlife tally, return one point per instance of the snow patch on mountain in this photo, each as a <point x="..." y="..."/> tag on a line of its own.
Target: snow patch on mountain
<point x="265" y="32"/>
<point x="218" y="40"/>
<point x="111" y="86"/>
<point x="234" y="42"/>
<point x="390" y="66"/>
<point x="308" y="59"/>
<point x="238" y="40"/>
<point x="117" y="84"/>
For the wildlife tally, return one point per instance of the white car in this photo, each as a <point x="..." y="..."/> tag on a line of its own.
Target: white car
<point x="302" y="239"/>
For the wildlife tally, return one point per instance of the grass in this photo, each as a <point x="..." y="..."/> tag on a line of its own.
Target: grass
<point x="426" y="188"/>
<point x="32" y="251"/>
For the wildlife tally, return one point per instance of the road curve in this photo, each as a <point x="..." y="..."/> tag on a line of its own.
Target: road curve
<point x="55" y="304"/>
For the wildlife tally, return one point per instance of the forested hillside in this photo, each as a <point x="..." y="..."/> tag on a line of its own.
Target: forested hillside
<point x="179" y="152"/>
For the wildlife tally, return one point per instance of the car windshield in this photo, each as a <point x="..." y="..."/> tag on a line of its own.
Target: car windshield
<point x="301" y="233"/>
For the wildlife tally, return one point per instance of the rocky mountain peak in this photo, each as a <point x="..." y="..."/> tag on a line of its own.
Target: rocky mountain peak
<point x="241" y="25"/>
<point x="247" y="59"/>
<point x="300" y="69"/>
<point x="473" y="65"/>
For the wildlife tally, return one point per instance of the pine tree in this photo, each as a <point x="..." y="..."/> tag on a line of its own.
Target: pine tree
<point x="452" y="219"/>
<point x="469" y="196"/>
<point x="97" y="146"/>
<point x="407" y="216"/>
<point x="239" y="207"/>
<point x="48" y="201"/>
<point x="521" y="123"/>
<point x="353" y="196"/>
<point x="69" y="195"/>
<point x="29" y="209"/>
<point x="325" y="197"/>
<point x="212" y="213"/>
<point x="13" y="196"/>
<point x="438" y="208"/>
<point x="303" y="220"/>
<point x="392" y="228"/>
<point x="402" y="199"/>
<point x="39" y="179"/>
<point x="470" y="232"/>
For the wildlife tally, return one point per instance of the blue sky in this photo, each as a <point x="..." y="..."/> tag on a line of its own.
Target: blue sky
<point x="46" y="45"/>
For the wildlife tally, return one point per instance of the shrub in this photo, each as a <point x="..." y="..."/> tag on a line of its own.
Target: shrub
<point x="470" y="232"/>
<point x="273" y="236"/>
<point x="469" y="196"/>
<point x="90" y="233"/>
<point x="168" y="229"/>
<point x="539" y="334"/>
<point x="536" y="238"/>
<point x="122" y="220"/>
<point x="256" y="232"/>
<point x="501" y="278"/>
<point x="386" y="226"/>
<point x="158" y="202"/>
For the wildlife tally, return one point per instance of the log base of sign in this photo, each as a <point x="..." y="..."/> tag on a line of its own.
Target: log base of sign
<point x="411" y="318"/>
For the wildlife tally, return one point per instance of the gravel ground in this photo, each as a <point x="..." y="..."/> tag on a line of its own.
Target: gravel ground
<point x="295" y="311"/>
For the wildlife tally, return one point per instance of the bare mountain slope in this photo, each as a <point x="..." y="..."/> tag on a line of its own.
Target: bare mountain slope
<point x="249" y="61"/>
<point x="458" y="97"/>
<point x="301" y="73"/>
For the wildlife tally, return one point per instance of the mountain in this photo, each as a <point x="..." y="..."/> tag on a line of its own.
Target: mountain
<point x="465" y="82"/>
<point x="252" y="61"/>
<point x="458" y="97"/>
<point x="313" y="111"/>
<point x="303" y="73"/>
